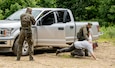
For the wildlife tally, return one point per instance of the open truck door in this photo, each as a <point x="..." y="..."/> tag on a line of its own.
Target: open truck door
<point x="49" y="32"/>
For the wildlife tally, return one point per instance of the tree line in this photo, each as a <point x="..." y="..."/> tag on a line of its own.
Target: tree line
<point x="102" y="11"/>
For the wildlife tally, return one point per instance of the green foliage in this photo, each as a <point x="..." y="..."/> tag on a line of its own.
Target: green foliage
<point x="47" y="3"/>
<point x="7" y="7"/>
<point x="102" y="11"/>
<point x="1" y="15"/>
<point x="66" y="56"/>
<point x="77" y="7"/>
<point x="13" y="8"/>
<point x="91" y="10"/>
<point x="111" y="14"/>
<point x="109" y="32"/>
<point x="10" y="6"/>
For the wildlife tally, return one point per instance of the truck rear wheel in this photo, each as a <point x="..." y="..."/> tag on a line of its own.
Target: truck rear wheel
<point x="24" y="48"/>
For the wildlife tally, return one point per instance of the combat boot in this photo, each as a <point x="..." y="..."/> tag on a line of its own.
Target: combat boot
<point x="18" y="58"/>
<point x="31" y="58"/>
<point x="18" y="55"/>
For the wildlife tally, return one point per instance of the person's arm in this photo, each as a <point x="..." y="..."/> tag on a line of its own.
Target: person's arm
<point x="90" y="38"/>
<point x="93" y="55"/>
<point x="33" y="20"/>
<point x="90" y="49"/>
<point x="90" y="35"/>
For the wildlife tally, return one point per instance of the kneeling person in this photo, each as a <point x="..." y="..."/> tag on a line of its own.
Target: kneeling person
<point x="78" y="46"/>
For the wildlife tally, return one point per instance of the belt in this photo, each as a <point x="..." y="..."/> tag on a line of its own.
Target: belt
<point x="26" y="28"/>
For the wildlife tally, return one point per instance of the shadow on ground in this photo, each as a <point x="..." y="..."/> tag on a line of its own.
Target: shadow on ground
<point x="36" y="52"/>
<point x="42" y="51"/>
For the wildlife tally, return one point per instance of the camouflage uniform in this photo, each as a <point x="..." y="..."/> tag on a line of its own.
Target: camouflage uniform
<point x="25" y="34"/>
<point x="83" y="33"/>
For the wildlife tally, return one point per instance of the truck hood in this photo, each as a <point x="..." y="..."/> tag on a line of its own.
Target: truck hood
<point x="9" y="24"/>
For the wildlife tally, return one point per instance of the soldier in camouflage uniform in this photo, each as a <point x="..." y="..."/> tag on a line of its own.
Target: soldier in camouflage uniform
<point x="83" y="34"/>
<point x="26" y="33"/>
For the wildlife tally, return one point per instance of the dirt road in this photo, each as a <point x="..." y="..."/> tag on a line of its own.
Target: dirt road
<point x="105" y="54"/>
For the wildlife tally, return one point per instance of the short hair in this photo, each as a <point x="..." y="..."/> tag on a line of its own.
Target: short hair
<point x="95" y="43"/>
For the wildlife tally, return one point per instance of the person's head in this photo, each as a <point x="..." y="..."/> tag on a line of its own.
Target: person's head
<point x="29" y="10"/>
<point x="89" y="25"/>
<point x="95" y="45"/>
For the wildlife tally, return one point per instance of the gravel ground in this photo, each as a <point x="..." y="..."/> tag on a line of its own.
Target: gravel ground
<point x="105" y="54"/>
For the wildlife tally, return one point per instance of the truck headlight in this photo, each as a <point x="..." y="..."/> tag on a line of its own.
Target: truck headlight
<point x="4" y="32"/>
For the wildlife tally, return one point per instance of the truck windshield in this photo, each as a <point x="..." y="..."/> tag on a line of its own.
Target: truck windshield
<point x="16" y="15"/>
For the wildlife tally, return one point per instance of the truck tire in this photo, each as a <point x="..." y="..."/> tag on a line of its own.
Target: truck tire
<point x="24" y="48"/>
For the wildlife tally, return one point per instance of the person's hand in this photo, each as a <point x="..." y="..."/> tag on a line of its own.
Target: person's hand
<point x="97" y="59"/>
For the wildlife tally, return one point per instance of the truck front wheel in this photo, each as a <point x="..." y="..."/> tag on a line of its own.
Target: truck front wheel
<point x="24" y="48"/>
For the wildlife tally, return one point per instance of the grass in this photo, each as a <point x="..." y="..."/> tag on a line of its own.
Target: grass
<point x="109" y="34"/>
<point x="106" y="40"/>
<point x="110" y="40"/>
<point x="66" y="56"/>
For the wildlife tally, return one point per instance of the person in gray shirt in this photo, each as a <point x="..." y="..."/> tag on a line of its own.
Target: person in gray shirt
<point x="79" y="45"/>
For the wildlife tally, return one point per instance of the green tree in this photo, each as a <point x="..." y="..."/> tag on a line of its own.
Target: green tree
<point x="46" y="3"/>
<point x="1" y="15"/>
<point x="111" y="14"/>
<point x="13" y="8"/>
<point x="10" y="6"/>
<point x="91" y="10"/>
<point x="77" y="7"/>
<point x="83" y="10"/>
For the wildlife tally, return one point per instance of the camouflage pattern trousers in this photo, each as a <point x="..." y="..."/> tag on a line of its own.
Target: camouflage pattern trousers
<point x="25" y="35"/>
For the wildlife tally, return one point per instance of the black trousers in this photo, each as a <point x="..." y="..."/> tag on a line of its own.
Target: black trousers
<point x="68" y="49"/>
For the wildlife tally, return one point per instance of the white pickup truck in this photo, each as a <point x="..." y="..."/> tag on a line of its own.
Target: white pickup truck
<point x="55" y="27"/>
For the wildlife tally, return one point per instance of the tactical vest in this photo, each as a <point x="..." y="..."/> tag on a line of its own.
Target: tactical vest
<point x="80" y="34"/>
<point x="25" y="20"/>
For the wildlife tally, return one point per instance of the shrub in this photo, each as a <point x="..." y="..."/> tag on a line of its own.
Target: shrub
<point x="109" y="32"/>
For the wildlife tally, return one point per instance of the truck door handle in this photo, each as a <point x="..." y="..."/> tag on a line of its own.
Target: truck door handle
<point x="60" y="28"/>
<point x="71" y="27"/>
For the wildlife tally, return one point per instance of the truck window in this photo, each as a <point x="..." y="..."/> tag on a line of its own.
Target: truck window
<point x="16" y="15"/>
<point x="68" y="17"/>
<point x="60" y="16"/>
<point x="43" y="13"/>
<point x="48" y="19"/>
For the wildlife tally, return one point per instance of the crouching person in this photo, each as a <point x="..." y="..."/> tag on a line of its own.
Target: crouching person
<point x="77" y="48"/>
<point x="83" y="52"/>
